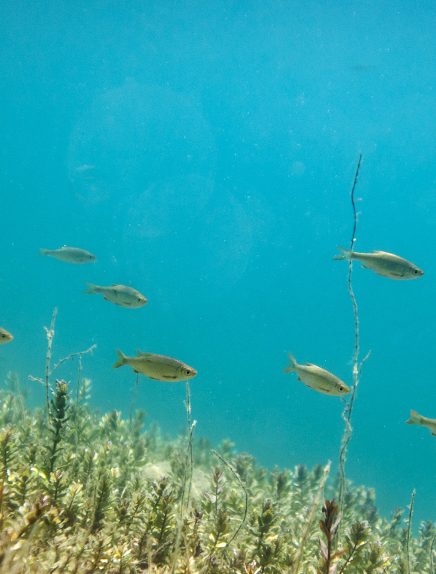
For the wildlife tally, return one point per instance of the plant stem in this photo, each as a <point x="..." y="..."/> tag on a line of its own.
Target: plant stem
<point x="346" y="415"/>
<point x="241" y="484"/>
<point x="409" y="529"/>
<point x="50" y="332"/>
<point x="310" y="517"/>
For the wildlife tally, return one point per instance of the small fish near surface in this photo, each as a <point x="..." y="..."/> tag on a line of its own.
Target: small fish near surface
<point x="5" y="336"/>
<point x="417" y="419"/>
<point x="70" y="254"/>
<point x="383" y="263"/>
<point x="119" y="295"/>
<point x="158" y="367"/>
<point x="317" y="378"/>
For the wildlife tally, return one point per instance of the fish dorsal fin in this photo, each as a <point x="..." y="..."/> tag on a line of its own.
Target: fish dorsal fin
<point x="379" y="252"/>
<point x="309" y="365"/>
<point x="138" y="352"/>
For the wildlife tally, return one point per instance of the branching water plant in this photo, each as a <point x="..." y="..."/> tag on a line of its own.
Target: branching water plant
<point x="50" y="332"/>
<point x="49" y="370"/>
<point x="107" y="500"/>
<point x="329" y="527"/>
<point x="58" y="417"/>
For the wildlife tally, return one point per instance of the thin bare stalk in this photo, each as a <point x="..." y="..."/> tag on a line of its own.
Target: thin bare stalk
<point x="189" y="465"/>
<point x="348" y="410"/>
<point x="50" y="333"/>
<point x="409" y="530"/>
<point x="316" y="502"/>
<point x="78" y="354"/>
<point x="79" y="377"/>
<point x="134" y="397"/>
<point x="242" y="485"/>
<point x="432" y="570"/>
<point x="185" y="501"/>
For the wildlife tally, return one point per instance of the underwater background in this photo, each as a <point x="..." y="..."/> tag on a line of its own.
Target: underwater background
<point x="204" y="151"/>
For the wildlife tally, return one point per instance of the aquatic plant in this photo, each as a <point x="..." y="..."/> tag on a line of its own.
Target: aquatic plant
<point x="356" y="364"/>
<point x="91" y="493"/>
<point x="329" y="527"/>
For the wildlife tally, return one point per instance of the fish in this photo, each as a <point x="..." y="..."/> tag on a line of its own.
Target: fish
<point x="417" y="419"/>
<point x="119" y="294"/>
<point x="317" y="378"/>
<point x="5" y="336"/>
<point x="70" y="254"/>
<point x="383" y="263"/>
<point x="157" y="367"/>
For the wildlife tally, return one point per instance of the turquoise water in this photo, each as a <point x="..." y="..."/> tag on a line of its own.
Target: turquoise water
<point x="205" y="153"/>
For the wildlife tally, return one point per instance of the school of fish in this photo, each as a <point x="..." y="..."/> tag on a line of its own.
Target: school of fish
<point x="163" y="368"/>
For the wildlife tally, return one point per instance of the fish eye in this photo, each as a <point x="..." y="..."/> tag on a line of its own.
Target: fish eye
<point x="415" y="271"/>
<point x="341" y="388"/>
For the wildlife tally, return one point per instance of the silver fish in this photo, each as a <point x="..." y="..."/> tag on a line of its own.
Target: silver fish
<point x="417" y="419"/>
<point x="158" y="367"/>
<point x="70" y="254"/>
<point x="119" y="294"/>
<point x="383" y="263"/>
<point x="5" y="336"/>
<point x="317" y="378"/>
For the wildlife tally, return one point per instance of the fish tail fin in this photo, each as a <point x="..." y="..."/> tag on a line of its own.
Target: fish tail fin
<point x="343" y="254"/>
<point x="43" y="251"/>
<point x="122" y="359"/>
<point x="91" y="288"/>
<point x="414" y="418"/>
<point x="292" y="364"/>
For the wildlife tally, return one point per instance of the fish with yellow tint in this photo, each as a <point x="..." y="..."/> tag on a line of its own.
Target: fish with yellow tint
<point x="70" y="254"/>
<point x="5" y="336"/>
<point x="383" y="263"/>
<point x="417" y="419"/>
<point x="119" y="294"/>
<point x="158" y="367"/>
<point x="317" y="378"/>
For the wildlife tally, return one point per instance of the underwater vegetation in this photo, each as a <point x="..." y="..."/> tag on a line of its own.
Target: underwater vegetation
<point x="82" y="492"/>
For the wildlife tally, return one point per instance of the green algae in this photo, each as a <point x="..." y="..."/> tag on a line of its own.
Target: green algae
<point x="85" y="493"/>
